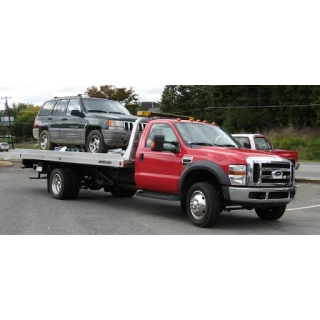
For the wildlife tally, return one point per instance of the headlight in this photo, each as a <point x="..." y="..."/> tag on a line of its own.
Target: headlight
<point x="115" y="125"/>
<point x="238" y="174"/>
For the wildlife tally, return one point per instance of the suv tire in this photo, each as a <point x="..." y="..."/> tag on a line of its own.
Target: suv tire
<point x="95" y="143"/>
<point x="45" y="141"/>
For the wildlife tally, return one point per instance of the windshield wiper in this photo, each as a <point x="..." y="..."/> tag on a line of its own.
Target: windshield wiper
<point x="100" y="111"/>
<point x="201" y="144"/>
<point x="212" y="144"/>
<point x="115" y="112"/>
<point x="227" y="145"/>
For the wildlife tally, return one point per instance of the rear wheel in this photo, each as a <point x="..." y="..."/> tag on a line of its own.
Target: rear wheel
<point x="123" y="193"/>
<point x="60" y="184"/>
<point x="95" y="142"/>
<point x="75" y="184"/>
<point x="203" y="204"/>
<point x="45" y="141"/>
<point x="271" y="213"/>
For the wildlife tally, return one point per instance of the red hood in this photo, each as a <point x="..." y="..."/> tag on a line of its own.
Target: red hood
<point x="226" y="156"/>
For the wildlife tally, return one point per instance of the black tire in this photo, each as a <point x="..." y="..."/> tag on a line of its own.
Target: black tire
<point x="123" y="193"/>
<point x="60" y="184"/>
<point x="75" y="184"/>
<point x="45" y="141"/>
<point x="205" y="213"/>
<point x="95" y="142"/>
<point x="271" y="213"/>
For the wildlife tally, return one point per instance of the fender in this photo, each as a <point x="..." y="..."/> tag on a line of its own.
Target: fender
<point x="210" y="166"/>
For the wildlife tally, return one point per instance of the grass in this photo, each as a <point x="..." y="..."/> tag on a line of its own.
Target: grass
<point x="305" y="142"/>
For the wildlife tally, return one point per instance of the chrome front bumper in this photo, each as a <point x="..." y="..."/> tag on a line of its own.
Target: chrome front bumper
<point x="259" y="196"/>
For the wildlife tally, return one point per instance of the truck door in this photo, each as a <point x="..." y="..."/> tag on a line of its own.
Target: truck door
<point x="158" y="171"/>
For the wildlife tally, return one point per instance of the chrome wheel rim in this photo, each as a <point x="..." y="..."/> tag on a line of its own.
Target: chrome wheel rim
<point x="44" y="142"/>
<point x="94" y="144"/>
<point x="56" y="184"/>
<point x="198" y="205"/>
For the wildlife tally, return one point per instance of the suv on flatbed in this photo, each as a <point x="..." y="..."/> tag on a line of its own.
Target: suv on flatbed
<point x="96" y="124"/>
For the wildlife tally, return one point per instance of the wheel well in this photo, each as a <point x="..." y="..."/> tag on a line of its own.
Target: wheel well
<point x="91" y="129"/>
<point x="196" y="176"/>
<point x="42" y="129"/>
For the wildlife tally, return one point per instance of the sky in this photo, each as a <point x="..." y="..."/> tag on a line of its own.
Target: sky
<point x="38" y="94"/>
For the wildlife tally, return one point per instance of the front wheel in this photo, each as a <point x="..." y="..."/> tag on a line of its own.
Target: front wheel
<point x="271" y="213"/>
<point x="95" y="142"/>
<point x="203" y="204"/>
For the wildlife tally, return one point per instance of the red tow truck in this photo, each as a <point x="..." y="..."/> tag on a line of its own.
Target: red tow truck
<point x="196" y="163"/>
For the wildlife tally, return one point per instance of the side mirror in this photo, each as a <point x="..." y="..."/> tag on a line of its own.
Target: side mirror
<point x="160" y="145"/>
<point x="247" y="145"/>
<point x="77" y="113"/>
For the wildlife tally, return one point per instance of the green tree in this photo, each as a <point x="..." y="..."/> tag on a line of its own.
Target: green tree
<point x="123" y="95"/>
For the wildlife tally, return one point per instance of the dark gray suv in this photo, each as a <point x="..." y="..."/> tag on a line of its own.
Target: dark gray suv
<point x="96" y="124"/>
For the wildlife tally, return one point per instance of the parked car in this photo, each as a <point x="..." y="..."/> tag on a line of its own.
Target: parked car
<point x="95" y="124"/>
<point x="260" y="142"/>
<point x="4" y="146"/>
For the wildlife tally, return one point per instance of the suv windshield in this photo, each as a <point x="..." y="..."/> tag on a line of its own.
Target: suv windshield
<point x="104" y="106"/>
<point x="206" y="135"/>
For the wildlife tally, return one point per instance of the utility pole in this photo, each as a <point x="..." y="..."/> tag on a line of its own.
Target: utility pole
<point x="6" y="98"/>
<point x="212" y="97"/>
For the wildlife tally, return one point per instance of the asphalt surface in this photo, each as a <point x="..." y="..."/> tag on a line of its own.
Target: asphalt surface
<point x="308" y="170"/>
<point x="27" y="209"/>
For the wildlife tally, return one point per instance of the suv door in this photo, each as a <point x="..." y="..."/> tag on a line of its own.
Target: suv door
<point x="56" y="122"/>
<point x="159" y="171"/>
<point x="72" y="128"/>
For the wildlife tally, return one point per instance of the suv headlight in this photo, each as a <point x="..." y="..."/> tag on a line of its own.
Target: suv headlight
<point x="115" y="125"/>
<point x="238" y="174"/>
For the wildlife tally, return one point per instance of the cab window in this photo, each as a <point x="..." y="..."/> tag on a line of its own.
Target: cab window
<point x="161" y="129"/>
<point x="262" y="144"/>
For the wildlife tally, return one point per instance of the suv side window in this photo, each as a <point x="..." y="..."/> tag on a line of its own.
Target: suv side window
<point x="73" y="105"/>
<point x="47" y="108"/>
<point x="60" y="108"/>
<point x="163" y="129"/>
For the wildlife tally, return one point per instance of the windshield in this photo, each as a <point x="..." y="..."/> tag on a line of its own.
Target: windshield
<point x="104" y="106"/>
<point x="206" y="135"/>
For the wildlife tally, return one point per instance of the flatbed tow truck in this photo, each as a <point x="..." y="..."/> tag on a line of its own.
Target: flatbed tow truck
<point x="174" y="158"/>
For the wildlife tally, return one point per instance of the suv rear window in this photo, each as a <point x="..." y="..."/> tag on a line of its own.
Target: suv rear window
<point x="47" y="108"/>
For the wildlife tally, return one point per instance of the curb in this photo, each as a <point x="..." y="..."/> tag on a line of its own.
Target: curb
<point x="309" y="180"/>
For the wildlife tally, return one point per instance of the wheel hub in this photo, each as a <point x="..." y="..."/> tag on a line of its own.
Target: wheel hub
<point x="94" y="144"/>
<point x="44" y="142"/>
<point x="198" y="205"/>
<point x="56" y="184"/>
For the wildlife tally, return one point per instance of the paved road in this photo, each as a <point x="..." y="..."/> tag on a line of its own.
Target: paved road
<point x="309" y="170"/>
<point x="27" y="208"/>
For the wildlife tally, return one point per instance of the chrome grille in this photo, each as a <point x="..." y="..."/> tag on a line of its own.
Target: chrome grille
<point x="128" y="126"/>
<point x="270" y="172"/>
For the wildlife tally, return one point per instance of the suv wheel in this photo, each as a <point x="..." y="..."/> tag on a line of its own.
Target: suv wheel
<point x="45" y="141"/>
<point x="95" y="143"/>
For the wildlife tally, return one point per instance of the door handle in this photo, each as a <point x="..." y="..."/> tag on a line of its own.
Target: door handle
<point x="49" y="118"/>
<point x="141" y="158"/>
<point x="64" y="119"/>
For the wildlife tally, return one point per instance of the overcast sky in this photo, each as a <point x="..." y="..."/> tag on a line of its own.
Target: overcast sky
<point x="38" y="94"/>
